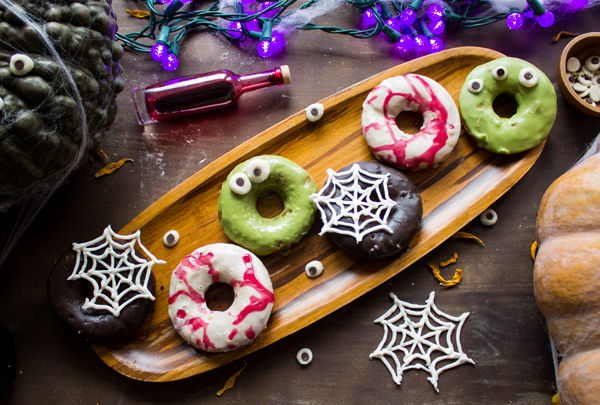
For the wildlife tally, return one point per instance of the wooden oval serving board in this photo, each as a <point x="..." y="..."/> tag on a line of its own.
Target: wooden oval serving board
<point x="453" y="194"/>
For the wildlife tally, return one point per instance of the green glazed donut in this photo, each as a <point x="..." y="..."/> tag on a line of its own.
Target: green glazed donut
<point x="258" y="176"/>
<point x="527" y="85"/>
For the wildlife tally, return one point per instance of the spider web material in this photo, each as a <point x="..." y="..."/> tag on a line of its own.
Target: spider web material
<point x="356" y="210"/>
<point x="416" y="342"/>
<point x="114" y="269"/>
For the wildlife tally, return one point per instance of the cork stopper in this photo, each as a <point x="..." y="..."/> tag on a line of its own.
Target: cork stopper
<point x="285" y="72"/>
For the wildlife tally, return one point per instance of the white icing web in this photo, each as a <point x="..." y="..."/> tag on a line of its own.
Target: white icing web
<point x="418" y="341"/>
<point x="354" y="212"/>
<point x="114" y="270"/>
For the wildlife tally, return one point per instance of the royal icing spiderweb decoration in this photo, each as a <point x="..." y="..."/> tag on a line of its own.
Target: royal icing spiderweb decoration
<point x="418" y="341"/>
<point x="353" y="209"/>
<point x="114" y="269"/>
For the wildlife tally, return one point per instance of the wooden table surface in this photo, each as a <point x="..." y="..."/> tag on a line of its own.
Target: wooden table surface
<point x="505" y="333"/>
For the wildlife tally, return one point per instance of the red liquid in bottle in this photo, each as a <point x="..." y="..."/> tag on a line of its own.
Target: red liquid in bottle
<point x="200" y="93"/>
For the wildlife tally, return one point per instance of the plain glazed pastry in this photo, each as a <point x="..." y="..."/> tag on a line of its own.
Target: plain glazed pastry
<point x="369" y="209"/>
<point x="533" y="93"/>
<point x="84" y="297"/>
<point x="243" y="321"/>
<point x="257" y="177"/>
<point x="436" y="138"/>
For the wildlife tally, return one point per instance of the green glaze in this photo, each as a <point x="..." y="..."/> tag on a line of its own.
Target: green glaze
<point x="531" y="124"/>
<point x="245" y="226"/>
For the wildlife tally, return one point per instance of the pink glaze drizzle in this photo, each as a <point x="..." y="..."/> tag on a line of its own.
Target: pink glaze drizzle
<point x="232" y="334"/>
<point x="434" y="126"/>
<point x="259" y="303"/>
<point x="196" y="263"/>
<point x="250" y="333"/>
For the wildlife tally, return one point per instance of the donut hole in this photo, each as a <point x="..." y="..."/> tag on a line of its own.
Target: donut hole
<point x="505" y="105"/>
<point x="409" y="122"/>
<point x="219" y="297"/>
<point x="269" y="204"/>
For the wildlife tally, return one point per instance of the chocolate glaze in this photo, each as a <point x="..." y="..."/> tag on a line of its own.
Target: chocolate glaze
<point x="404" y="220"/>
<point x="97" y="327"/>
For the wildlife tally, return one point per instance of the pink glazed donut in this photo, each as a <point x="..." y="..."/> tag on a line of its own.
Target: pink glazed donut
<point x="438" y="135"/>
<point x="240" y="324"/>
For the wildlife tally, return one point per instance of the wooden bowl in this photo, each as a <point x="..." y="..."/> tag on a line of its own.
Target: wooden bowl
<point x="580" y="47"/>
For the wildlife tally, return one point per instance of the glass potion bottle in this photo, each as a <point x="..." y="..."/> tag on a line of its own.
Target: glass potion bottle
<point x="200" y="93"/>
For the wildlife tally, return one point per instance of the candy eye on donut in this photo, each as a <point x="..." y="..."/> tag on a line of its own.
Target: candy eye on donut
<point x="528" y="77"/>
<point x="240" y="183"/>
<point x="500" y="73"/>
<point x="258" y="170"/>
<point x="475" y="86"/>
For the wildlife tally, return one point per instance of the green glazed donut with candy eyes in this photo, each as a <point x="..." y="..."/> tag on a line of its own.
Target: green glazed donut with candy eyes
<point x="533" y="93"/>
<point x="260" y="176"/>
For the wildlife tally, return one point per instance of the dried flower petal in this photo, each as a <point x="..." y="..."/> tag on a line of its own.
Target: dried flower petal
<point x="533" y="249"/>
<point x="138" y="13"/>
<point x="231" y="380"/>
<point x="111" y="167"/>
<point x="557" y="36"/>
<point x="436" y="272"/>
<point x="101" y="152"/>
<point x="450" y="261"/>
<point x="466" y="235"/>
<point x="556" y="399"/>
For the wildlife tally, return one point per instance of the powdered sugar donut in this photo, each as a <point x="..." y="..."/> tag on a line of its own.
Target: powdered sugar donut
<point x="240" y="324"/>
<point x="436" y="138"/>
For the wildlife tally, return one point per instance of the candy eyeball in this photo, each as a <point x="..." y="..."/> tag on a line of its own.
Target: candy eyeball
<point x="1" y="103"/>
<point x="528" y="77"/>
<point x="240" y="184"/>
<point x="593" y="63"/>
<point x="258" y="170"/>
<point x="20" y="64"/>
<point x="171" y="238"/>
<point x="488" y="217"/>
<point x="304" y="356"/>
<point x="314" y="112"/>
<point x="475" y="86"/>
<point x="314" y="269"/>
<point x="500" y="73"/>
<point x="573" y="64"/>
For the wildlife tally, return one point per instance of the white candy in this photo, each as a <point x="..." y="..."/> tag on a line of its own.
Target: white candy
<point x="488" y="217"/>
<point x="304" y="356"/>
<point x="590" y="102"/>
<point x="475" y="86"/>
<point x="1" y="103"/>
<point x="20" y="64"/>
<point x="314" y="112"/>
<point x="239" y="183"/>
<point x="171" y="238"/>
<point x="314" y="269"/>
<point x="596" y="80"/>
<point x="593" y="63"/>
<point x="258" y="170"/>
<point x="585" y="92"/>
<point x="500" y="73"/>
<point x="585" y="79"/>
<point x="528" y="77"/>
<point x="578" y="87"/>
<point x="573" y="64"/>
<point x="595" y="93"/>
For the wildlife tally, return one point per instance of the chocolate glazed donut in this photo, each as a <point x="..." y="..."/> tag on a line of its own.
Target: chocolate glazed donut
<point x="404" y="219"/>
<point x="98" y="327"/>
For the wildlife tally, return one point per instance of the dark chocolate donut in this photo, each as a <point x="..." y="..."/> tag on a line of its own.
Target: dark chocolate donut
<point x="98" y="327"/>
<point x="404" y="218"/>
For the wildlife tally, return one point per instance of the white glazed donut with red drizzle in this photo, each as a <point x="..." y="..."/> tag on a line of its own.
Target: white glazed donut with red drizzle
<point x="240" y="324"/>
<point x="436" y="138"/>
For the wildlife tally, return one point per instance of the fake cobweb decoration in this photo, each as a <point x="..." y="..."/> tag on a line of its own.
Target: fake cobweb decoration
<point x="355" y="210"/>
<point x="421" y="344"/>
<point x="114" y="269"/>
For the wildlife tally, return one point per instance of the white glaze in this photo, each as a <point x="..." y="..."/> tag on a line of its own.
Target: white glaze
<point x="414" y="339"/>
<point x="243" y="321"/>
<point x="310" y="112"/>
<point x="99" y="263"/>
<point x="354" y="203"/>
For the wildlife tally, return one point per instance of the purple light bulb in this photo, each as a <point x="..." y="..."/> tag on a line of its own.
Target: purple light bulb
<point x="404" y="44"/>
<point x="408" y="16"/>
<point x="437" y="27"/>
<point x="514" y="21"/>
<point x="252" y="25"/>
<point x="435" y="44"/>
<point x="264" y="48"/>
<point x="277" y="41"/>
<point x="369" y="18"/>
<point x="247" y="2"/>
<point x="235" y="30"/>
<point x="420" y="43"/>
<point x="393" y="23"/>
<point x="185" y="1"/>
<point x="158" y="51"/>
<point x="267" y="4"/>
<point x="435" y="12"/>
<point x="546" y="19"/>
<point x="165" y="1"/>
<point x="170" y="63"/>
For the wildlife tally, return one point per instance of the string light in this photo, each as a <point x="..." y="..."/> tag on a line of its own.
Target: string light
<point x="159" y="50"/>
<point x="514" y="20"/>
<point x="171" y="62"/>
<point x="544" y="17"/>
<point x="434" y="43"/>
<point x="419" y="42"/>
<point x="409" y="15"/>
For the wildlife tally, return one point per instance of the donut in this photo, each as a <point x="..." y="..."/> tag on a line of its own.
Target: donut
<point x="436" y="138"/>
<point x="243" y="321"/>
<point x="533" y="93"/>
<point x="369" y="209"/>
<point x="258" y="177"/>
<point x="82" y="305"/>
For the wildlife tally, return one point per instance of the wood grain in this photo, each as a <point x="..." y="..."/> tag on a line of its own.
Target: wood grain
<point x="453" y="194"/>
